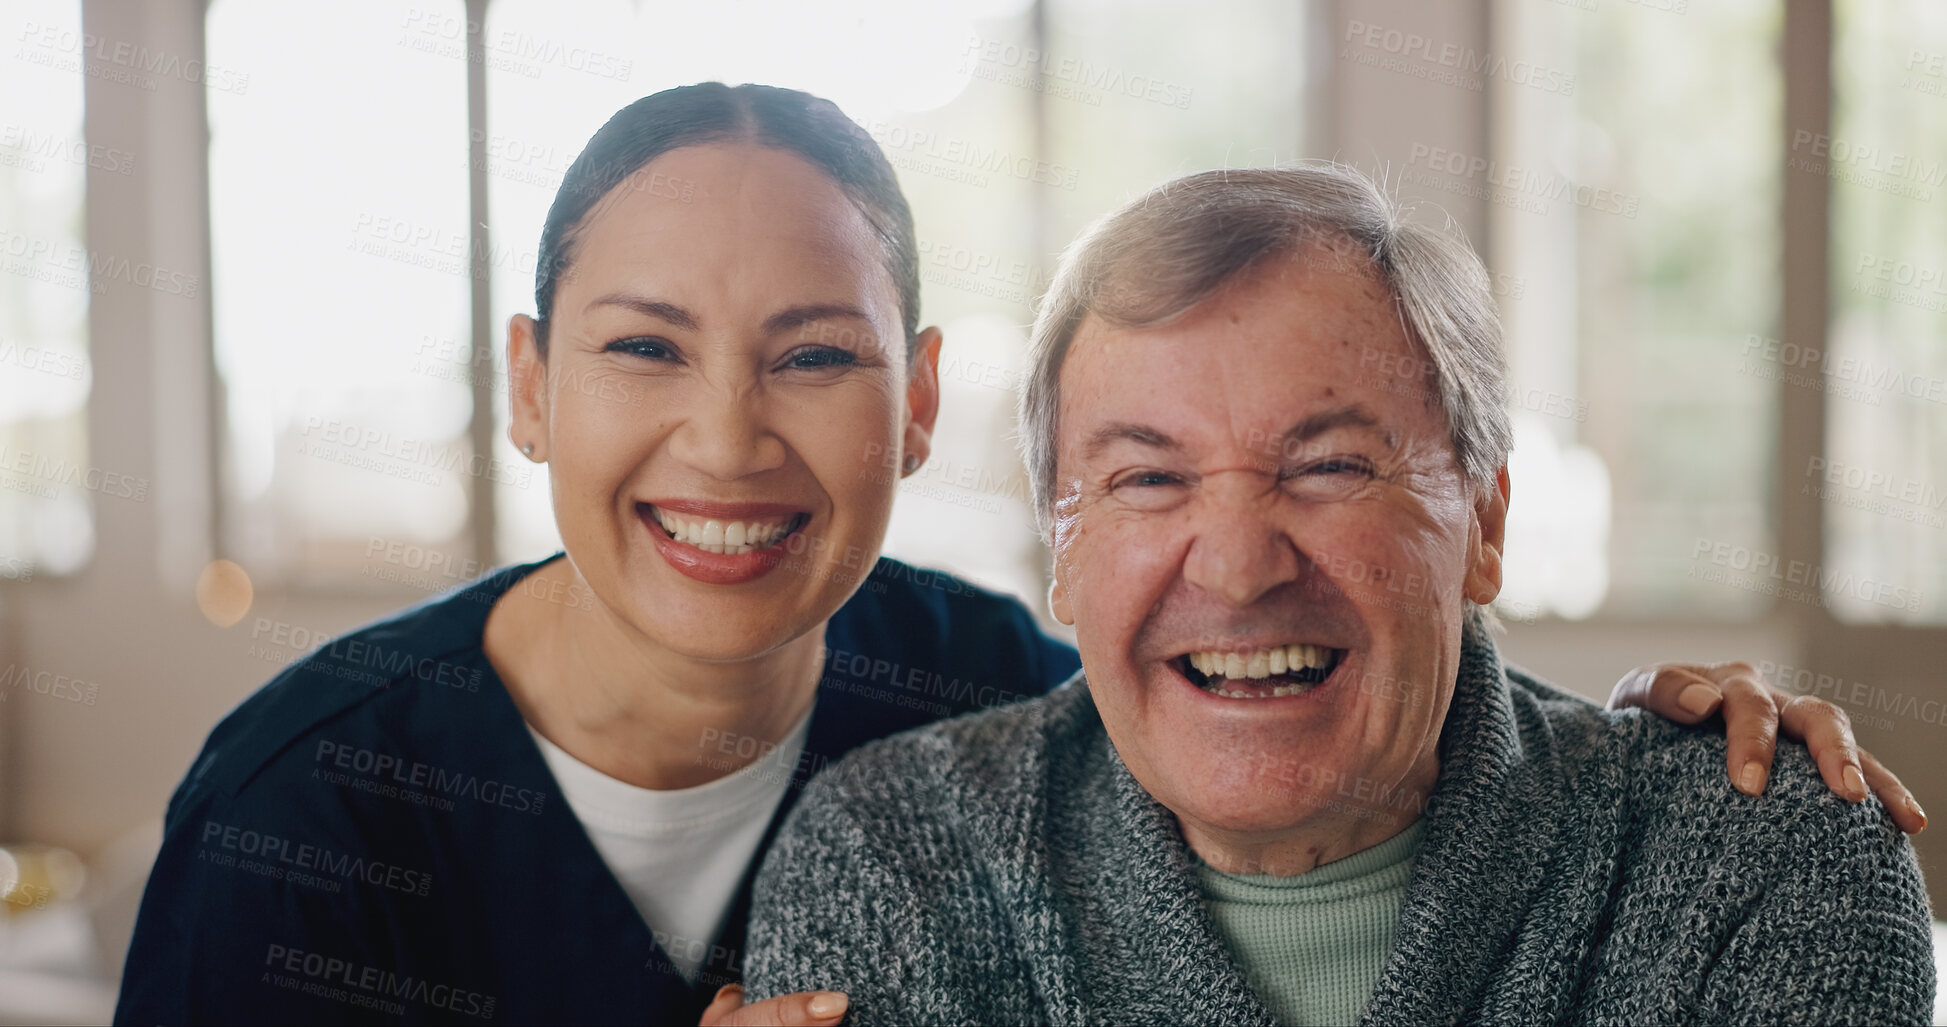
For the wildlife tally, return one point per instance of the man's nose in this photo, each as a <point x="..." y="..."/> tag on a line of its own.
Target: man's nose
<point x="727" y="433"/>
<point x="1241" y="551"/>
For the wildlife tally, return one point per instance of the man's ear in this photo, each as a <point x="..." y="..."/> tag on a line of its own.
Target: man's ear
<point x="1058" y="600"/>
<point x="1484" y="549"/>
<point x="527" y="388"/>
<point x="922" y="400"/>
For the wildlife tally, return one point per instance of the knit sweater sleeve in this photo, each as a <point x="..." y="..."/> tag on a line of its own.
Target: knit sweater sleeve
<point x="866" y="891"/>
<point x="1839" y="935"/>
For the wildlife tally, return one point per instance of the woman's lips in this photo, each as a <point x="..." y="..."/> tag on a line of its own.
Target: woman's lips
<point x="721" y="543"/>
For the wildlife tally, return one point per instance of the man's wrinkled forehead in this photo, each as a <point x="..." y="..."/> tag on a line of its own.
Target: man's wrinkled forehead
<point x="1304" y="349"/>
<point x="1292" y="314"/>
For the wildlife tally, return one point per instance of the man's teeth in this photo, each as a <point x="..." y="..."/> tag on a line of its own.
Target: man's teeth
<point x="1261" y="663"/>
<point x="732" y="537"/>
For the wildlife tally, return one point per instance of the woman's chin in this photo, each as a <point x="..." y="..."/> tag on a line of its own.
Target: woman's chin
<point x="724" y="641"/>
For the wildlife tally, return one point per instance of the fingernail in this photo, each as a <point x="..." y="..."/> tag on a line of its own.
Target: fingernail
<point x="1855" y="783"/>
<point x="738" y="988"/>
<point x="1751" y="780"/>
<point x="1698" y="700"/>
<point x="827" y="1004"/>
<point x="1914" y="805"/>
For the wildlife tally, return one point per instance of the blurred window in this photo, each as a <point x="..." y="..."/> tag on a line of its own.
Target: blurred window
<point x="340" y="253"/>
<point x="1634" y="236"/>
<point x="48" y="488"/>
<point x="1882" y="480"/>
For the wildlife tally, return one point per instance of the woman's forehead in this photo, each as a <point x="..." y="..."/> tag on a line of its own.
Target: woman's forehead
<point x="759" y="192"/>
<point x="717" y="216"/>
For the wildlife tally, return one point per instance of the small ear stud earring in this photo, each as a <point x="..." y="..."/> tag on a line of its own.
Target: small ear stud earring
<point x="912" y="463"/>
<point x="527" y="450"/>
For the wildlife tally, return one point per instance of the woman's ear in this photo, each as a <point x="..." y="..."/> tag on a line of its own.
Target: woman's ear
<point x="1484" y="549"/>
<point x="527" y="389"/>
<point x="922" y="401"/>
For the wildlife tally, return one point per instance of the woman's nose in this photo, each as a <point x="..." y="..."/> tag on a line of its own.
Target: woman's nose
<point x="726" y="433"/>
<point x="1240" y="551"/>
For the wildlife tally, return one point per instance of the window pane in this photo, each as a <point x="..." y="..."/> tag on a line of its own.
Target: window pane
<point x="46" y="512"/>
<point x="1634" y="241"/>
<point x="1881" y="479"/>
<point x="1134" y="99"/>
<point x="338" y="197"/>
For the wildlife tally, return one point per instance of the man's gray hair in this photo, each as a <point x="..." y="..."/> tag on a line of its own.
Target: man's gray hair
<point x="1165" y="252"/>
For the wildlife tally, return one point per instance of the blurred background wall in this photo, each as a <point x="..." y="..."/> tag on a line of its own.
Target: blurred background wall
<point x="258" y="255"/>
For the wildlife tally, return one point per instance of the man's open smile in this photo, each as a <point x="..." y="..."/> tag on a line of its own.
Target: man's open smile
<point x="1260" y="673"/>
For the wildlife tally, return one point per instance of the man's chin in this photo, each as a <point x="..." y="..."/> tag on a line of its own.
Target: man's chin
<point x="1240" y="796"/>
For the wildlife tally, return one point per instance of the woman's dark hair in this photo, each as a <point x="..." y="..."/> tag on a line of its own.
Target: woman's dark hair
<point x="708" y="112"/>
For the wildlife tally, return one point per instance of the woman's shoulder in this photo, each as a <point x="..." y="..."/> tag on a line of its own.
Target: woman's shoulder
<point x="938" y="635"/>
<point x="426" y="656"/>
<point x="905" y="596"/>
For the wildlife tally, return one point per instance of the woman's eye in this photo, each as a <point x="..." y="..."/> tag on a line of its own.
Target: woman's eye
<point x="647" y="348"/>
<point x="817" y="357"/>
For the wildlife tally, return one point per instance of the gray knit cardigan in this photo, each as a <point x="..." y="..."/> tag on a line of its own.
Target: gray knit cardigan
<point x="1578" y="866"/>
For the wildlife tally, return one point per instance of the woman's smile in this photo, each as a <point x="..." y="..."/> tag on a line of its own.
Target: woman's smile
<point x="721" y="543"/>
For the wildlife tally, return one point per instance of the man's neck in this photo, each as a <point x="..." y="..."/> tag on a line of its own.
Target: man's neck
<point x="1339" y="828"/>
<point x="614" y="700"/>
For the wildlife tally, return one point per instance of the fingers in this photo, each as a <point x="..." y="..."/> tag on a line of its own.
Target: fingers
<point x="1750" y="726"/>
<point x="1827" y="732"/>
<point x="1755" y="713"/>
<point x="1673" y="691"/>
<point x="801" y="1009"/>
<point x="1907" y="814"/>
<point x="729" y="998"/>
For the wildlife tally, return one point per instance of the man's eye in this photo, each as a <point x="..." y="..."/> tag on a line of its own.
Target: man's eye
<point x="1333" y="466"/>
<point x="647" y="348"/>
<point x="817" y="357"/>
<point x="1149" y="490"/>
<point x="1336" y="477"/>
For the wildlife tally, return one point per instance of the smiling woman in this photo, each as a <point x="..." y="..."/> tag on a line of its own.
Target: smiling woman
<point x="726" y="376"/>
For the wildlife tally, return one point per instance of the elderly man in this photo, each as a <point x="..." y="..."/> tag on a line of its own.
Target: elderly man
<point x="1294" y="781"/>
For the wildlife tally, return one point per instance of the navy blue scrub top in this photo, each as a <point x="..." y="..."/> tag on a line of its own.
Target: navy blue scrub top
<point x="374" y="837"/>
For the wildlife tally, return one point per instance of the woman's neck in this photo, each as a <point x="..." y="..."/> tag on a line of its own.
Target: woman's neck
<point x="632" y="710"/>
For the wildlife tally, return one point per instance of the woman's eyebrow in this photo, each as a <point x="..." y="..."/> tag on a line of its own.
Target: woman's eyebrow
<point x="669" y="312"/>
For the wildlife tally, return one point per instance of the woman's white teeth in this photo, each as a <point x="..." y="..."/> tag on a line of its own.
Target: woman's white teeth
<point x="733" y="537"/>
<point x="1261" y="663"/>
